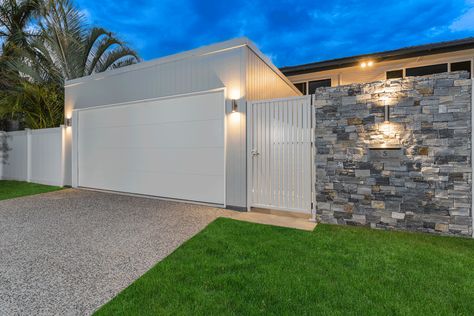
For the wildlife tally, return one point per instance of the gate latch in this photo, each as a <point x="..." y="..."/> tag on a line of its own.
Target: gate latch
<point x="255" y="153"/>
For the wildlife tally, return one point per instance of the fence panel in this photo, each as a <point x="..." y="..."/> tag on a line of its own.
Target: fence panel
<point x="14" y="155"/>
<point x="33" y="156"/>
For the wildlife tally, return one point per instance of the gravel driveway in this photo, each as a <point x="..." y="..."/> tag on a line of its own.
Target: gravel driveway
<point x="69" y="252"/>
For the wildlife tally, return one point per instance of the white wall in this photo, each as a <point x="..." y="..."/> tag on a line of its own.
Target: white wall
<point x="156" y="79"/>
<point x="263" y="82"/>
<point x="34" y="156"/>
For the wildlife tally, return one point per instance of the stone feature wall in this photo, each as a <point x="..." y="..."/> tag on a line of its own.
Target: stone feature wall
<point x="413" y="172"/>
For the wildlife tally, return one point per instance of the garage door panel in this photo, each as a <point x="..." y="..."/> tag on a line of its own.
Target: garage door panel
<point x="192" y="108"/>
<point x="165" y="160"/>
<point x="127" y="148"/>
<point x="176" y="186"/>
<point x="180" y="134"/>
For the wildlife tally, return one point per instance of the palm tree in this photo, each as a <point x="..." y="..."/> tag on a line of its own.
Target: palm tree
<point x="62" y="44"/>
<point x="15" y="17"/>
<point x="74" y="50"/>
<point x="15" y="31"/>
<point x="63" y="49"/>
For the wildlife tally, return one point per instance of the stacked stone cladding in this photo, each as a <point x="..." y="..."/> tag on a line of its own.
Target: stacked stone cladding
<point x="413" y="172"/>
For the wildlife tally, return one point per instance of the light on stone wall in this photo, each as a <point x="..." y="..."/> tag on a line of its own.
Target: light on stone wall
<point x="387" y="114"/>
<point x="386" y="128"/>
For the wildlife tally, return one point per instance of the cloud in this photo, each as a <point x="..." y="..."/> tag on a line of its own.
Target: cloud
<point x="288" y="31"/>
<point x="465" y="22"/>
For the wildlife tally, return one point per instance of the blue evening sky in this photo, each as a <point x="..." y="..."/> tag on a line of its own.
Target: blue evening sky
<point x="289" y="32"/>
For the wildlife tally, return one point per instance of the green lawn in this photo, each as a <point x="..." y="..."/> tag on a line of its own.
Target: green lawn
<point x="13" y="189"/>
<point x="240" y="268"/>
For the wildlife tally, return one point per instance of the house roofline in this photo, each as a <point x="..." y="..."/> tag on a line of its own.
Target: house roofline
<point x="201" y="51"/>
<point x="401" y="53"/>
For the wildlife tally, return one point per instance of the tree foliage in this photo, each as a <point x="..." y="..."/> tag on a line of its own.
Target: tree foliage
<point x="36" y="105"/>
<point x="45" y="43"/>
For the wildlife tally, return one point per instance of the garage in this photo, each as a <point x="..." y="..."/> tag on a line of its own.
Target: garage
<point x="174" y="127"/>
<point x="170" y="147"/>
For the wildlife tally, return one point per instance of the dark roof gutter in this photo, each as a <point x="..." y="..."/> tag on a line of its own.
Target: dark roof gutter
<point x="408" y="52"/>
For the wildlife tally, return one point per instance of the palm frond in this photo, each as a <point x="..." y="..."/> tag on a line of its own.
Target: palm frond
<point x="35" y="63"/>
<point x="119" y="57"/>
<point x="105" y="44"/>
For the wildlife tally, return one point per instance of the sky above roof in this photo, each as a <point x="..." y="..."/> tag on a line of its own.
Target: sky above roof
<point x="289" y="32"/>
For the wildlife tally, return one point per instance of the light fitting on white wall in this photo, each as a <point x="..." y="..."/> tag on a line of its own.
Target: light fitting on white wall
<point x="234" y="105"/>
<point x="68" y="122"/>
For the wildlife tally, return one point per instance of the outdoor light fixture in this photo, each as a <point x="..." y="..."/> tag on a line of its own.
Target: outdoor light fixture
<point x="386" y="128"/>
<point x="365" y="64"/>
<point x="68" y="122"/>
<point x="387" y="114"/>
<point x="234" y="105"/>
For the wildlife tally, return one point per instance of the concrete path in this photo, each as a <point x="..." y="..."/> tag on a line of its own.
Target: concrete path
<point x="274" y="220"/>
<point x="71" y="251"/>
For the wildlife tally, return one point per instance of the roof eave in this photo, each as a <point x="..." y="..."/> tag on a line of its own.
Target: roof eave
<point x="377" y="57"/>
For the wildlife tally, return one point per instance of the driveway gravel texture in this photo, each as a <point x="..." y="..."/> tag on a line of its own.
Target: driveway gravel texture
<point x="71" y="251"/>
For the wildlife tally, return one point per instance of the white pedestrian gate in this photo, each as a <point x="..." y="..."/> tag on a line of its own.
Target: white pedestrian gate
<point x="280" y="154"/>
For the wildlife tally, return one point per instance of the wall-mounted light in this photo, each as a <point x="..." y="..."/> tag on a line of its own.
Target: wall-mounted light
<point x="387" y="114"/>
<point x="234" y="105"/>
<point x="68" y="122"/>
<point x="387" y="127"/>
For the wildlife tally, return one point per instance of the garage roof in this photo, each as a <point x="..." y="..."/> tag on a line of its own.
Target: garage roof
<point x="204" y="50"/>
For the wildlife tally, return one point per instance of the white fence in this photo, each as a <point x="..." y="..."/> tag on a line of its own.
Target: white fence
<point x="33" y="155"/>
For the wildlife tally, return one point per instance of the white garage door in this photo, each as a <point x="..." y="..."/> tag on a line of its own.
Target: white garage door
<point x="170" y="147"/>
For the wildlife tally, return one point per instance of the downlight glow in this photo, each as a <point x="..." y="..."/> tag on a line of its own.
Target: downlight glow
<point x="366" y="64"/>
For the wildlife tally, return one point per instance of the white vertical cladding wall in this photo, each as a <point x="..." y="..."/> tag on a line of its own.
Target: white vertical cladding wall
<point x="260" y="79"/>
<point x="33" y="156"/>
<point x="156" y="79"/>
<point x="264" y="82"/>
<point x="236" y="189"/>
